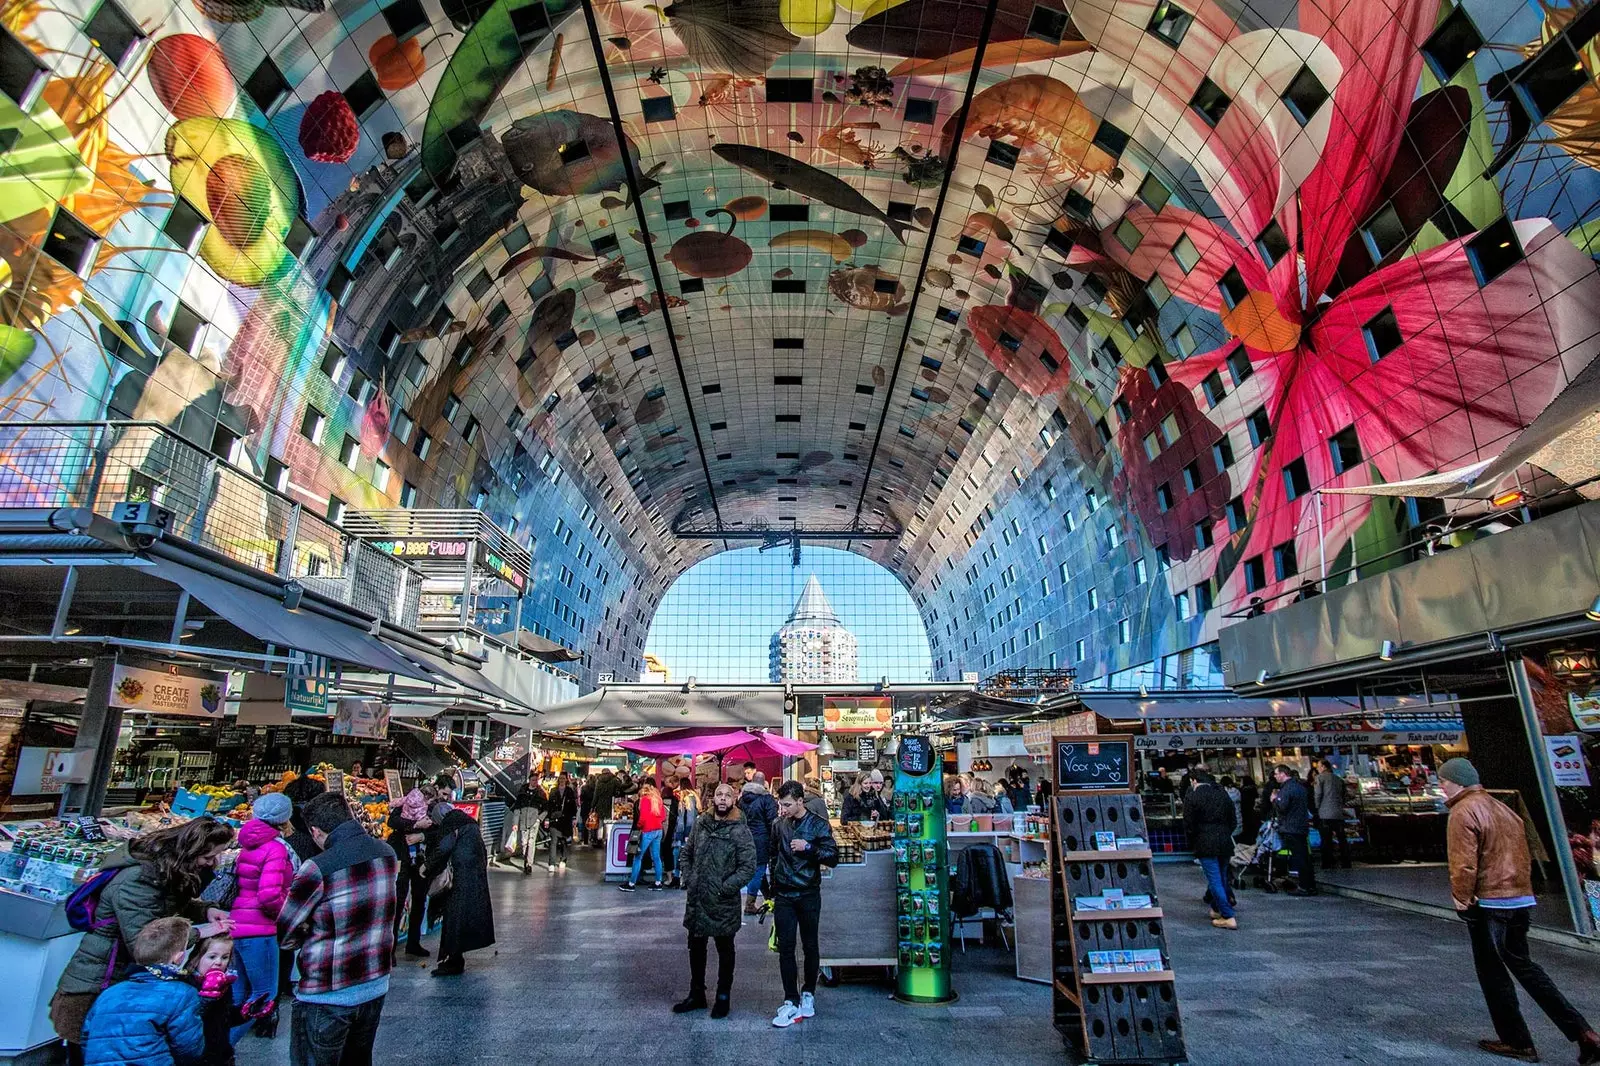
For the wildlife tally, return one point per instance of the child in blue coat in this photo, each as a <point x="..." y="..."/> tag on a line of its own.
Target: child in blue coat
<point x="152" y="1018"/>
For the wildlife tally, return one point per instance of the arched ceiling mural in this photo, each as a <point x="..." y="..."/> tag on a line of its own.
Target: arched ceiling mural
<point x="815" y="262"/>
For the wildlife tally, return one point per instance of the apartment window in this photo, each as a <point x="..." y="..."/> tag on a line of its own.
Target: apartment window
<point x="73" y="245"/>
<point x="1094" y="599"/>
<point x="1044" y="546"/>
<point x="1169" y="430"/>
<point x="1222" y="452"/>
<point x="1152" y="445"/>
<point x="1305" y="96"/>
<point x="1079" y="652"/>
<point x="470" y="433"/>
<point x="402" y="426"/>
<point x="1384" y="233"/>
<point x="1141" y="571"/>
<point x="1044" y="586"/>
<point x="1186" y="254"/>
<point x="1191" y="477"/>
<point x="22" y="75"/>
<point x="277" y="474"/>
<point x="1272" y="243"/>
<point x="1213" y="389"/>
<point x="1255" y="574"/>
<point x="184" y="224"/>
<point x="1238" y="515"/>
<point x="1210" y="102"/>
<point x="336" y="510"/>
<point x="1493" y="250"/>
<point x="1168" y="23"/>
<point x="1284" y="561"/>
<point x="380" y="475"/>
<point x="1070" y="522"/>
<point x="1203" y="537"/>
<point x="1113" y="536"/>
<point x="312" y="424"/>
<point x="1202" y="597"/>
<point x="1260" y="427"/>
<point x="1124" y="631"/>
<point x="1452" y="44"/>
<point x="185" y="330"/>
<point x="1163" y="497"/>
<point x="1154" y="193"/>
<point x="452" y="405"/>
<point x="266" y="86"/>
<point x="1063" y="572"/>
<point x="1181" y="602"/>
<point x="1296" y="480"/>
<point x="349" y="452"/>
<point x="357" y="389"/>
<point x="423" y="445"/>
<point x="1345" y="449"/>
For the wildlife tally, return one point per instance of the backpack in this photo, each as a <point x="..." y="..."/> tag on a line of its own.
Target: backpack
<point x="82" y="907"/>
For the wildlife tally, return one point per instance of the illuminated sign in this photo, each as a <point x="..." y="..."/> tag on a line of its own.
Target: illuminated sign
<point x="503" y="568"/>
<point x="418" y="548"/>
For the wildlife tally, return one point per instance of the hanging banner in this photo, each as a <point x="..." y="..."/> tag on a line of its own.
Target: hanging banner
<point x="305" y="686"/>
<point x="168" y="690"/>
<point x="866" y="714"/>
<point x="362" y="718"/>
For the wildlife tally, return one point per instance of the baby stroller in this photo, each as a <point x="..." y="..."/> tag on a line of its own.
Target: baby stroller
<point x="1254" y="862"/>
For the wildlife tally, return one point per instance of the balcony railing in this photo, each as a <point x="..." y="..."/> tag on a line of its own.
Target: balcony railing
<point x="213" y="503"/>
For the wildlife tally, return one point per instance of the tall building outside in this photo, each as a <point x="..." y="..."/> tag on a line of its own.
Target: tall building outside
<point x="813" y="646"/>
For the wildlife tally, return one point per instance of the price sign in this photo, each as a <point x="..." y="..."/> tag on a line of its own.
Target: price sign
<point x="867" y="751"/>
<point x="336" y="782"/>
<point x="915" y="756"/>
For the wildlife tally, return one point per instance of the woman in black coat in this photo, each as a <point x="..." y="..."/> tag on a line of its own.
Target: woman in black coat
<point x="468" y="917"/>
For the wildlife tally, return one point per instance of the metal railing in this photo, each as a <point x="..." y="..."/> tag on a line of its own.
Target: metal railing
<point x="213" y="503"/>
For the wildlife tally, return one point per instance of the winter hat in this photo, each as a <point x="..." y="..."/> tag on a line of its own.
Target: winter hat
<point x="874" y="777"/>
<point x="273" y="808"/>
<point x="1459" y="771"/>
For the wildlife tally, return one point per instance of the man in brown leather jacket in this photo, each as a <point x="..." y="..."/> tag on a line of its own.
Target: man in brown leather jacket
<point x="1491" y="884"/>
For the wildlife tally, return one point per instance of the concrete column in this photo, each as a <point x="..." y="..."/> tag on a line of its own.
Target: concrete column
<point x="97" y="733"/>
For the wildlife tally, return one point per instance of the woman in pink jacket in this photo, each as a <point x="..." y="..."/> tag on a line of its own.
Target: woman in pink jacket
<point x="266" y="866"/>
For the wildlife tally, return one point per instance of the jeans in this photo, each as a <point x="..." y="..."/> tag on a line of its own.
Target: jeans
<point x="325" y="1035"/>
<point x="787" y="914"/>
<point x="410" y="882"/>
<point x="649" y="842"/>
<point x="755" y="882"/>
<point x="1300" y="859"/>
<point x="697" y="965"/>
<point x="1499" y="953"/>
<point x="256" y="959"/>
<point x="1330" y="828"/>
<point x="1217" y="893"/>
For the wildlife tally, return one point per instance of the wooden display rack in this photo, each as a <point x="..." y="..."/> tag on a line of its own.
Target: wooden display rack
<point x="1118" y="1017"/>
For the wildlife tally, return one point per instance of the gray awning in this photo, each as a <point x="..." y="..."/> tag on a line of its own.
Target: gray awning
<point x="548" y="650"/>
<point x="458" y="673"/>
<point x="267" y="619"/>
<point x="1125" y="708"/>
<point x="665" y="707"/>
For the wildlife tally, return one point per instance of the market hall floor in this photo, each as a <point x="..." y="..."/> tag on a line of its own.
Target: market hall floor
<point x="585" y="973"/>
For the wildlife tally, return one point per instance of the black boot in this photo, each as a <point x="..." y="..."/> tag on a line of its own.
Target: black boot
<point x="450" y="967"/>
<point x="695" y="1001"/>
<point x="721" y="1007"/>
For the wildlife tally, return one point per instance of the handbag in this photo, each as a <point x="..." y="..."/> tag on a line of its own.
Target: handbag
<point x="223" y="889"/>
<point x="445" y="879"/>
<point x="593" y="821"/>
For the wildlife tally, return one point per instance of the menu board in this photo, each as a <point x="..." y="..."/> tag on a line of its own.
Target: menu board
<point x="1098" y="763"/>
<point x="915" y="756"/>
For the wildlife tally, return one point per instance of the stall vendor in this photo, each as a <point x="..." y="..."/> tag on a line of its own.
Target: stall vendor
<point x="865" y="802"/>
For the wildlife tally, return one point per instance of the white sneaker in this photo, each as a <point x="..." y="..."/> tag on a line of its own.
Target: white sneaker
<point x="808" y="1005"/>
<point x="787" y="1015"/>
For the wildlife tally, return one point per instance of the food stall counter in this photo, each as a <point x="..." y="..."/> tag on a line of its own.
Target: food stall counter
<point x="858" y="912"/>
<point x="35" y="944"/>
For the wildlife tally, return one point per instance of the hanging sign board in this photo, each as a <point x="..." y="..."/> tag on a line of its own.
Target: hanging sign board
<point x="305" y="686"/>
<point x="915" y="757"/>
<point x="336" y="782"/>
<point x="867" y="751"/>
<point x="168" y="690"/>
<point x="1102" y="763"/>
<point x="867" y="714"/>
<point x="362" y="718"/>
<point x="1566" y="761"/>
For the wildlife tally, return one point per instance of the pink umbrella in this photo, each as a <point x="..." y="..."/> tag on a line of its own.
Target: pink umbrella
<point x="704" y="740"/>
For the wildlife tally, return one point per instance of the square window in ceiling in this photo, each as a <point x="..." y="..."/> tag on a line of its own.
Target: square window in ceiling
<point x="1382" y="334"/>
<point x="405" y="18"/>
<point x="1272" y="243"/>
<point x="788" y="285"/>
<point x="71" y="243"/>
<point x="586" y="385"/>
<point x="724" y="455"/>
<point x="710" y="390"/>
<point x="1183" y="340"/>
<point x="299" y="237"/>
<point x="266" y="86"/>
<point x="690" y="286"/>
<point x="786" y="379"/>
<point x="340" y="282"/>
<point x="642" y="352"/>
<point x="183" y="224"/>
<point x="184" y="330"/>
<point x="1344" y="448"/>
<point x="677" y="210"/>
<point x="789" y="212"/>
<point x="1186" y="254"/>
<point x="572" y="151"/>
<point x="789" y="90"/>
<point x="900" y="211"/>
<point x="530" y="22"/>
<point x="363" y="95"/>
<point x="1076" y="318"/>
<point x="1284" y="561"/>
<point x="1002" y="154"/>
<point x="920" y="393"/>
<point x="1494" y="250"/>
<point x="1255" y="574"/>
<point x="658" y="108"/>
<point x="113" y="32"/>
<point x="516" y="240"/>
<point x="1058" y="242"/>
<point x="1169" y="22"/>
<point x="657" y="393"/>
<point x="1239" y="366"/>
<point x="498" y="314"/>
<point x="907" y="431"/>
<point x="1110" y="139"/>
<point x="787" y="455"/>
<point x="1306" y="95"/>
<point x="886" y="285"/>
<point x="921" y="111"/>
<point x="717" y="426"/>
<point x="1157" y="292"/>
<point x="1049" y="362"/>
<point x="480" y="284"/>
<point x="1452" y="44"/>
<point x="947" y="314"/>
<point x="1154" y="192"/>
<point x="605" y="245"/>
<point x="786" y="418"/>
<point x="967" y="425"/>
<point x="1128" y="234"/>
<point x="858" y="426"/>
<point x="629" y="314"/>
<point x="1550" y="77"/>
<point x="1210" y="102"/>
<point x="22" y="75"/>
<point x="1296" y="480"/>
<point x="930" y="363"/>
<point x="864" y="390"/>
<point x="1383" y="233"/>
<point x="1079" y="206"/>
<point x="788" y="342"/>
<point x="1233" y="289"/>
<point x="1048" y="24"/>
<point x="1095" y="288"/>
<point x="967" y="244"/>
<point x="1009" y="342"/>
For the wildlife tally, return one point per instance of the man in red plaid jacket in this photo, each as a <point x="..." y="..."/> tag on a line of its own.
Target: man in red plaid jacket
<point x="340" y="916"/>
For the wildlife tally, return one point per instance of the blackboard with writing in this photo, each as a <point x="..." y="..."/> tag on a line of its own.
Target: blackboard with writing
<point x="915" y="756"/>
<point x="1094" y="764"/>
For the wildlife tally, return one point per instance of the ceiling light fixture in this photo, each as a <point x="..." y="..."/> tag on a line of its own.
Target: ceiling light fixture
<point x="1261" y="678"/>
<point x="1386" y="650"/>
<point x="1593" y="613"/>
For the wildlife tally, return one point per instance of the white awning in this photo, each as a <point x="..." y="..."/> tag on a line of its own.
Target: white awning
<point x="1448" y="483"/>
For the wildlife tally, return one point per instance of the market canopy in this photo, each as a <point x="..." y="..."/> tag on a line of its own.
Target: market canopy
<point x="663" y="706"/>
<point x="704" y="741"/>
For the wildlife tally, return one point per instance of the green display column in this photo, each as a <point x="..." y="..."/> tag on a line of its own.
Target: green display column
<point x="922" y="876"/>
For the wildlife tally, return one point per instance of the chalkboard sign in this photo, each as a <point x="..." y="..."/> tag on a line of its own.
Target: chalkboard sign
<point x="1094" y="763"/>
<point x="915" y="756"/>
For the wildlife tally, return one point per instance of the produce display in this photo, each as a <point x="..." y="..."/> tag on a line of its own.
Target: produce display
<point x="47" y="859"/>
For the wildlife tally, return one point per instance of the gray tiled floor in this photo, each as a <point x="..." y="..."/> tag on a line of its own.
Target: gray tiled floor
<point x="586" y="973"/>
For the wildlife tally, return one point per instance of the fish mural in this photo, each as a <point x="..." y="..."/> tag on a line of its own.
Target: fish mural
<point x="786" y="172"/>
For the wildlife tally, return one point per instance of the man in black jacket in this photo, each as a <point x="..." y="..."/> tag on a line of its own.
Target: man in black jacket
<point x="1208" y="822"/>
<point x="802" y="844"/>
<point x="1290" y="805"/>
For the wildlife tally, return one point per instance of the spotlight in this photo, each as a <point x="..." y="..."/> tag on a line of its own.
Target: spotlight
<point x="1144" y="693"/>
<point x="291" y="595"/>
<point x="1593" y="613"/>
<point x="892" y="748"/>
<point x="376" y="628"/>
<point x="1386" y="652"/>
<point x="825" y="749"/>
<point x="1261" y="678"/>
